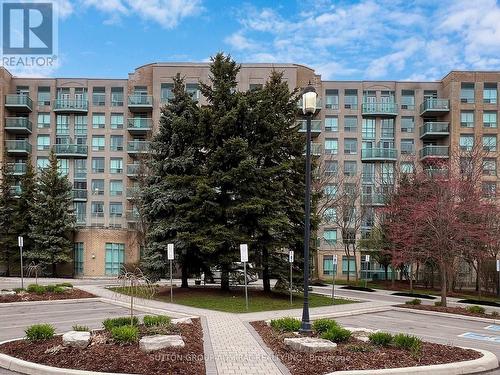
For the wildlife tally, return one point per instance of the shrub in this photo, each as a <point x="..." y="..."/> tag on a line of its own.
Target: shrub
<point x="59" y="289"/>
<point x="494" y="313"/>
<point x="38" y="289"/>
<point x="337" y="334"/>
<point x="156" y="320"/>
<point x="65" y="285"/>
<point x="18" y="290"/>
<point x="381" y="338"/>
<point x="125" y="334"/>
<point x="476" y="309"/>
<point x="111" y="323"/>
<point x="322" y="325"/>
<point x="39" y="332"/>
<point x="79" y="328"/>
<point x="438" y="304"/>
<point x="50" y="288"/>
<point x="408" y="342"/>
<point x="286" y="324"/>
<point x="414" y="301"/>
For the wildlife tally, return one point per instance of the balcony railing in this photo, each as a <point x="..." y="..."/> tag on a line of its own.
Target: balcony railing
<point x="379" y="153"/>
<point x="374" y="199"/>
<point x="18" y="147"/>
<point x="316" y="149"/>
<point x="17" y="169"/>
<point x="71" y="105"/>
<point x="133" y="170"/>
<point x="139" y="101"/>
<point x="435" y="129"/>
<point x="379" y="109"/>
<point x="18" y="102"/>
<point x="434" y="152"/>
<point x="315" y="127"/>
<point x="79" y="194"/>
<point x="71" y="150"/>
<point x="434" y="106"/>
<point x="139" y="125"/>
<point x="18" y="125"/>
<point x="135" y="147"/>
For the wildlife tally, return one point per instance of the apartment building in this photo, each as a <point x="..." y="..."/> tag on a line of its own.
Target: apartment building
<point x="99" y="129"/>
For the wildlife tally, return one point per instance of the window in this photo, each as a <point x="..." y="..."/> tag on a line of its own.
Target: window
<point x="408" y="99"/>
<point x="80" y="125"/>
<point x="331" y="146"/>
<point x="467" y="119"/>
<point x="78" y="258"/>
<point x="467" y="92"/>
<point x="407" y="146"/>
<point x="387" y="174"/>
<point x="116" y="142"/>
<point x="489" y="142"/>
<point x="193" y="89"/>
<point x="43" y="96"/>
<point x="331" y="167"/>
<point x="350" y="146"/>
<point x="62" y="125"/>
<point x="80" y="168"/>
<point x="98" y="121"/>
<point x="42" y="163"/>
<point x="332" y="99"/>
<point x="116" y="165"/>
<point x="351" y="99"/>
<point x="466" y="142"/>
<point x="348" y="266"/>
<point x="407" y="124"/>
<point x="350" y="124"/>
<point x="330" y="190"/>
<point x="407" y="167"/>
<point x="329" y="215"/>
<point x="115" y="209"/>
<point x="43" y="120"/>
<point x="489" y="189"/>
<point x="368" y="128"/>
<point x="115" y="187"/>
<point x="117" y="96"/>
<point x="63" y="166"/>
<point x="97" y="209"/>
<point x="117" y="121"/>
<point x="489" y="167"/>
<point x="98" y="142"/>
<point x="331" y="124"/>
<point x="489" y="119"/>
<point x="330" y="236"/>
<point x="97" y="165"/>
<point x="80" y="212"/>
<point x="387" y="128"/>
<point x="167" y="92"/>
<point x="490" y="93"/>
<point x="328" y="266"/>
<point x="99" y="96"/>
<point x="97" y="187"/>
<point x="255" y="86"/>
<point x="350" y="168"/>
<point x="115" y="257"/>
<point x="43" y="142"/>
<point x="368" y="173"/>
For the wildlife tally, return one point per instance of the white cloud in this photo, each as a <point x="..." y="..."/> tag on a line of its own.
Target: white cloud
<point x="240" y="42"/>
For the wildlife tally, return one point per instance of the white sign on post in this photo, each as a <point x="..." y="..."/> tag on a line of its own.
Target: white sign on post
<point x="244" y="252"/>
<point x="335" y="259"/>
<point x="498" y="265"/>
<point x="20" y="241"/>
<point x="170" y="251"/>
<point x="367" y="258"/>
<point x="290" y="256"/>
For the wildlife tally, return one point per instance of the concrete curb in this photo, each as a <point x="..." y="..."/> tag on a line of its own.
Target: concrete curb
<point x="447" y="315"/>
<point x="151" y="310"/>
<point x="46" y="302"/>
<point x="352" y="312"/>
<point x="487" y="362"/>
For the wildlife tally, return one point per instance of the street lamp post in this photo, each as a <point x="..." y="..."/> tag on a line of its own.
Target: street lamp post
<point x="308" y="107"/>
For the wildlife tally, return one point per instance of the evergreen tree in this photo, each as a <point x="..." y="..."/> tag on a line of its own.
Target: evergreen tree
<point x="24" y="208"/>
<point x="9" y="252"/>
<point x="53" y="220"/>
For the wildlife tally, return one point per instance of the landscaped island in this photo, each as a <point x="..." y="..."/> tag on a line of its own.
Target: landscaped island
<point x="35" y="292"/>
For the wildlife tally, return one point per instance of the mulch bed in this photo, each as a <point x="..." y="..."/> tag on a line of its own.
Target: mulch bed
<point x="107" y="356"/>
<point x="357" y="355"/>
<point x="73" y="293"/>
<point x="448" y="309"/>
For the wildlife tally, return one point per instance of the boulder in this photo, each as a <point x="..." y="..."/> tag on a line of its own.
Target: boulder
<point x="361" y="333"/>
<point x="76" y="339"/>
<point x="151" y="343"/>
<point x="310" y="344"/>
<point x="182" y="321"/>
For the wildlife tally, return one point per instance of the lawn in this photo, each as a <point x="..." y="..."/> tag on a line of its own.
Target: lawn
<point x="234" y="301"/>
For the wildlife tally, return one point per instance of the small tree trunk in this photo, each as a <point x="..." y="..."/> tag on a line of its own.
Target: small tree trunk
<point x="184" y="276"/>
<point x="356" y="269"/>
<point x="224" y="278"/>
<point x="54" y="270"/>
<point x="410" y="275"/>
<point x="348" y="263"/>
<point x="386" y="272"/>
<point x="444" y="287"/>
<point x="479" y="286"/>
<point x="266" y="279"/>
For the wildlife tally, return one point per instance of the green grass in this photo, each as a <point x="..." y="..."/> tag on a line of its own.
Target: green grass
<point x="234" y="300"/>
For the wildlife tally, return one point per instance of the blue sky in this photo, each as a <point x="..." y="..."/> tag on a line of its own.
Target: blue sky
<point x="342" y="40"/>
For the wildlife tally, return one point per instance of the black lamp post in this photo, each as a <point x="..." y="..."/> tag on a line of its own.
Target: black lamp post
<point x="308" y="107"/>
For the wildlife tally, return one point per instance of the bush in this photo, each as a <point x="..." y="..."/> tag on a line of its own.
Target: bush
<point x="76" y="327"/>
<point x="38" y="289"/>
<point x="408" y="342"/>
<point x="476" y="309"/>
<point x="322" y="325"/>
<point x="337" y="334"/>
<point x="286" y="324"/>
<point x="494" y="313"/>
<point x="125" y="334"/>
<point x="18" y="290"/>
<point x="111" y="323"/>
<point x="156" y="320"/>
<point x="414" y="301"/>
<point x="50" y="288"/>
<point x="381" y="338"/>
<point x="40" y="332"/>
<point x="65" y="285"/>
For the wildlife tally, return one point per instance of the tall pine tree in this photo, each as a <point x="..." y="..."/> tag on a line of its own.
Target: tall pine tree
<point x="53" y="219"/>
<point x="9" y="252"/>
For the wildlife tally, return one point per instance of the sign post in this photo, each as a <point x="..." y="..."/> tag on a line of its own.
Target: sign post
<point x="367" y="262"/>
<point x="20" y="242"/>
<point x="290" y="260"/>
<point x="498" y="273"/>
<point x="171" y="256"/>
<point x="334" y="272"/>
<point x="244" y="259"/>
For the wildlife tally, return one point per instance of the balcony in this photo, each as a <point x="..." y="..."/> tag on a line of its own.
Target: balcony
<point x="80" y="195"/>
<point x="15" y="190"/>
<point x="18" y="125"/>
<point x="315" y="127"/>
<point x="434" y="107"/>
<point x="319" y="105"/>
<point x="379" y="109"/>
<point x="18" y="103"/>
<point x="379" y="154"/>
<point x="71" y="106"/>
<point x="139" y="125"/>
<point x="17" y="169"/>
<point x="434" y="152"/>
<point x="132" y="216"/>
<point x="18" y="148"/>
<point x="434" y="130"/>
<point x="71" y="151"/>
<point x="436" y="172"/>
<point x="135" y="148"/>
<point x="133" y="170"/>
<point x="140" y="103"/>
<point x="316" y="149"/>
<point x="375" y="199"/>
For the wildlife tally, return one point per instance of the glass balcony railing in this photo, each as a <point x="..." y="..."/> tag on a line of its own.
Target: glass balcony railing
<point x="80" y="194"/>
<point x="139" y="124"/>
<point x="315" y="126"/>
<point x="137" y="146"/>
<point x="71" y="150"/>
<point x="434" y="152"/>
<point x="379" y="109"/>
<point x="20" y="102"/>
<point x="433" y="105"/>
<point x="15" y="190"/>
<point x="316" y="149"/>
<point x="373" y="199"/>
<point x="434" y="129"/>
<point x="17" y="168"/>
<point x="379" y="153"/>
<point x="140" y="100"/>
<point x="132" y="170"/>
<point x="19" y="125"/>
<point x="18" y="146"/>
<point x="71" y="105"/>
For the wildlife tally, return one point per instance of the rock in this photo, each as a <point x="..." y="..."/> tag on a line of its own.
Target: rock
<point x="54" y="349"/>
<point x="310" y="344"/>
<point x="76" y="339"/>
<point x="182" y="321"/>
<point x="7" y="293"/>
<point x="151" y="343"/>
<point x="361" y="333"/>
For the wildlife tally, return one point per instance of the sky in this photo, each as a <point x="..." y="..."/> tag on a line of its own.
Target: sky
<point x="342" y="40"/>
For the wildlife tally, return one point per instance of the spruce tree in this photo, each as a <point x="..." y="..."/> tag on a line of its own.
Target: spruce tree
<point x="9" y="252"/>
<point x="53" y="219"/>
